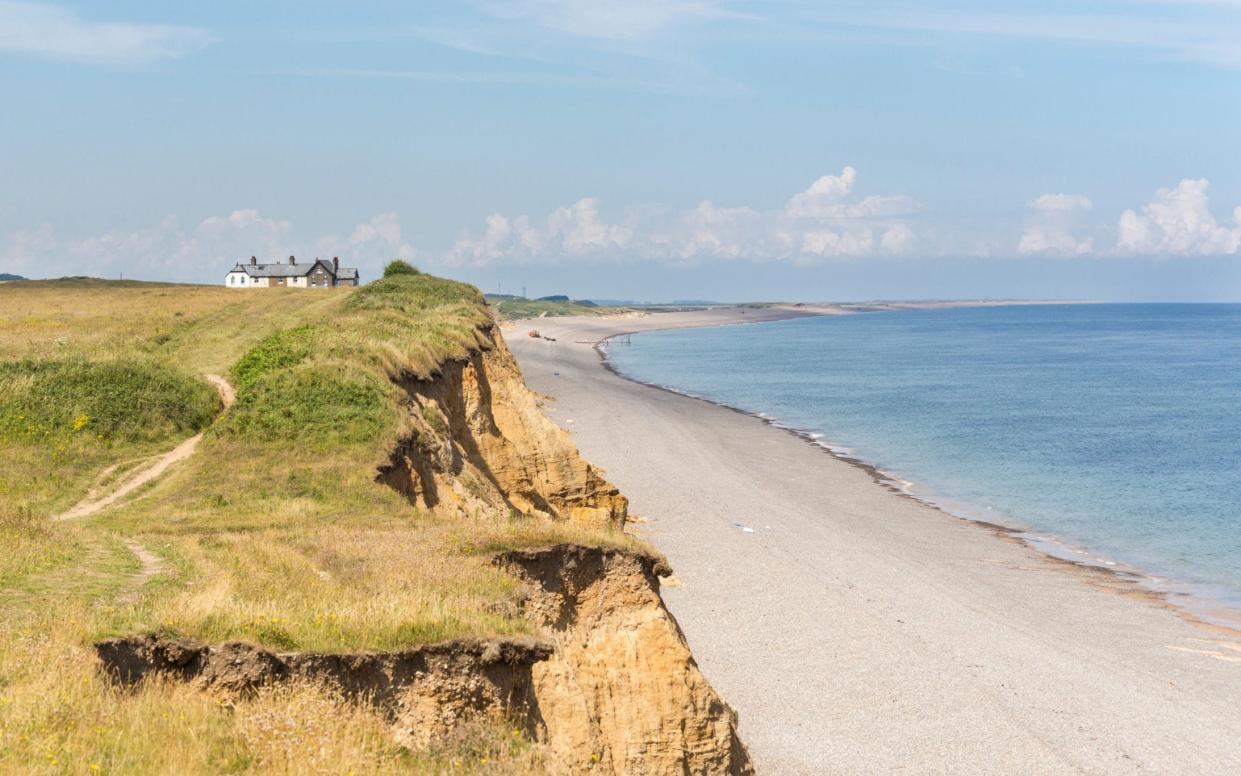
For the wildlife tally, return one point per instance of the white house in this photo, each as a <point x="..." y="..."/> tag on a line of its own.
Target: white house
<point x="315" y="274"/>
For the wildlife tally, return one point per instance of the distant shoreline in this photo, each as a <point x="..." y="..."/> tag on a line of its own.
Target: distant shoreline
<point x="1196" y="607"/>
<point x="894" y="630"/>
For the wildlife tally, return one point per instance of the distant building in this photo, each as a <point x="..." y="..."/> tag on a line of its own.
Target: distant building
<point x="314" y="274"/>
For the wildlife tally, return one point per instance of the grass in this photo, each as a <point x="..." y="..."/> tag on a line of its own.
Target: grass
<point x="512" y="308"/>
<point x="274" y="532"/>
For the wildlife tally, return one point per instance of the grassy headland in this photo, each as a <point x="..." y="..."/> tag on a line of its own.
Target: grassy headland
<point x="511" y="308"/>
<point x="274" y="532"/>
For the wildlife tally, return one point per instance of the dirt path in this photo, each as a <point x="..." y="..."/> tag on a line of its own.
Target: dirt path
<point x="151" y="566"/>
<point x="93" y="503"/>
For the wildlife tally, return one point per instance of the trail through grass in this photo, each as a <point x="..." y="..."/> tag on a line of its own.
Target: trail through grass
<point x="273" y="531"/>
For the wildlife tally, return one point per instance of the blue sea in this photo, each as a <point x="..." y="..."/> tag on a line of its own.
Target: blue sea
<point x="1111" y="434"/>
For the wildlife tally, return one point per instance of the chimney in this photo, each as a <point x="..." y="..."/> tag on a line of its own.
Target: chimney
<point x="292" y="260"/>
<point x="335" y="265"/>
<point x="253" y="261"/>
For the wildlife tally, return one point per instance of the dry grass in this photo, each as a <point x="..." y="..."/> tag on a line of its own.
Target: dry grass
<point x="60" y="717"/>
<point x="274" y="532"/>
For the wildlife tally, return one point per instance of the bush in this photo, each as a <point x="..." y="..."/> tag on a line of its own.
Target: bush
<point x="415" y="295"/>
<point x="399" y="267"/>
<point x="319" y="405"/>
<point x="279" y="351"/>
<point x="124" y="399"/>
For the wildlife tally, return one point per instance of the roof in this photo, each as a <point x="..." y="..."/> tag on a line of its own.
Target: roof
<point x="274" y="270"/>
<point x="283" y="270"/>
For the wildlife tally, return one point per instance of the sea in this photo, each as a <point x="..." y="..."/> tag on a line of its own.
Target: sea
<point x="1108" y="434"/>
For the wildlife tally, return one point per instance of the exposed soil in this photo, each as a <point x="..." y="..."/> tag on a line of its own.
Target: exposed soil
<point x="622" y="691"/>
<point x="424" y="692"/>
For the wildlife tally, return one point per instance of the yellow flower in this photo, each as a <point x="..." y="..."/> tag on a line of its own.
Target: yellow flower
<point x="80" y="422"/>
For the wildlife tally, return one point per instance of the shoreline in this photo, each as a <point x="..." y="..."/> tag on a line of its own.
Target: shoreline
<point x="1124" y="578"/>
<point x="858" y="630"/>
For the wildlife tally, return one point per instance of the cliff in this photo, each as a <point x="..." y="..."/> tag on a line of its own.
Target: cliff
<point x="477" y="442"/>
<point x="620" y="691"/>
<point x="604" y="683"/>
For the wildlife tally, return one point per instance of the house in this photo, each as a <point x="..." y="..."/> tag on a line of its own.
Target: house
<point x="314" y="274"/>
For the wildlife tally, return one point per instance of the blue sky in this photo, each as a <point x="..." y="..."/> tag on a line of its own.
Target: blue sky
<point x="633" y="148"/>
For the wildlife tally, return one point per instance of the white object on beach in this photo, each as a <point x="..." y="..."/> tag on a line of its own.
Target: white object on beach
<point x="744" y="528"/>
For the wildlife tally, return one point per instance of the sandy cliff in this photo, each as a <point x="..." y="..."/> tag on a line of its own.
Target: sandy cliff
<point x="609" y="686"/>
<point x="620" y="692"/>
<point x="476" y="441"/>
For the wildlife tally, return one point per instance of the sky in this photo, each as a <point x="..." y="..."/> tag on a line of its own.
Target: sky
<point x="635" y="149"/>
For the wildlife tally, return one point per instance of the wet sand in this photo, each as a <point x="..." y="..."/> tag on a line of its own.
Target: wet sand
<point x="856" y="630"/>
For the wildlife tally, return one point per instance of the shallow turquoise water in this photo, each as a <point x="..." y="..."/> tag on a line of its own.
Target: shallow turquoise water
<point x="1116" y="428"/>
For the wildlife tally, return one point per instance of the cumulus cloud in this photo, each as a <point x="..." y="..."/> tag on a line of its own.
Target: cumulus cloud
<point x="827" y="220"/>
<point x="1050" y="232"/>
<point x="576" y="230"/>
<point x="50" y="31"/>
<point x="1052" y="241"/>
<point x="1060" y="203"/>
<point x="829" y="197"/>
<point x="169" y="251"/>
<point x="1178" y="222"/>
<point x="380" y="237"/>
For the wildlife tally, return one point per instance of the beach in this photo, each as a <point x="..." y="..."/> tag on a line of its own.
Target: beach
<point x="857" y="630"/>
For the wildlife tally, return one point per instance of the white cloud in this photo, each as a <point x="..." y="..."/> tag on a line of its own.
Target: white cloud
<point x="825" y="221"/>
<point x="709" y="231"/>
<point x="615" y="19"/>
<point x="897" y="239"/>
<point x="1052" y="241"/>
<point x="381" y="236"/>
<point x="1178" y="222"/>
<point x="828" y="197"/>
<point x="50" y="31"/>
<point x="828" y="191"/>
<point x="168" y="251"/>
<point x="576" y="230"/>
<point x="1059" y="203"/>
<point x="1050" y="231"/>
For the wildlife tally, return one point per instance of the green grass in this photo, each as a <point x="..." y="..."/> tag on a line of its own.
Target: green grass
<point x="129" y="400"/>
<point x="511" y="308"/>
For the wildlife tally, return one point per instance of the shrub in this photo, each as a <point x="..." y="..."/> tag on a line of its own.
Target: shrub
<point x="416" y="294"/>
<point x="279" y="351"/>
<point x="313" y="404"/>
<point x="124" y="399"/>
<point x="399" y="267"/>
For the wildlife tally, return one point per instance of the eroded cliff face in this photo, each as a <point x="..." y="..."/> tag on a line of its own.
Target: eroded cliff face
<point x="621" y="692"/>
<point x="423" y="692"/>
<point x="609" y="687"/>
<point x="477" y="442"/>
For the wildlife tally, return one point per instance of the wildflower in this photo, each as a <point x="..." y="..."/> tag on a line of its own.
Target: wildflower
<point x="80" y="422"/>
